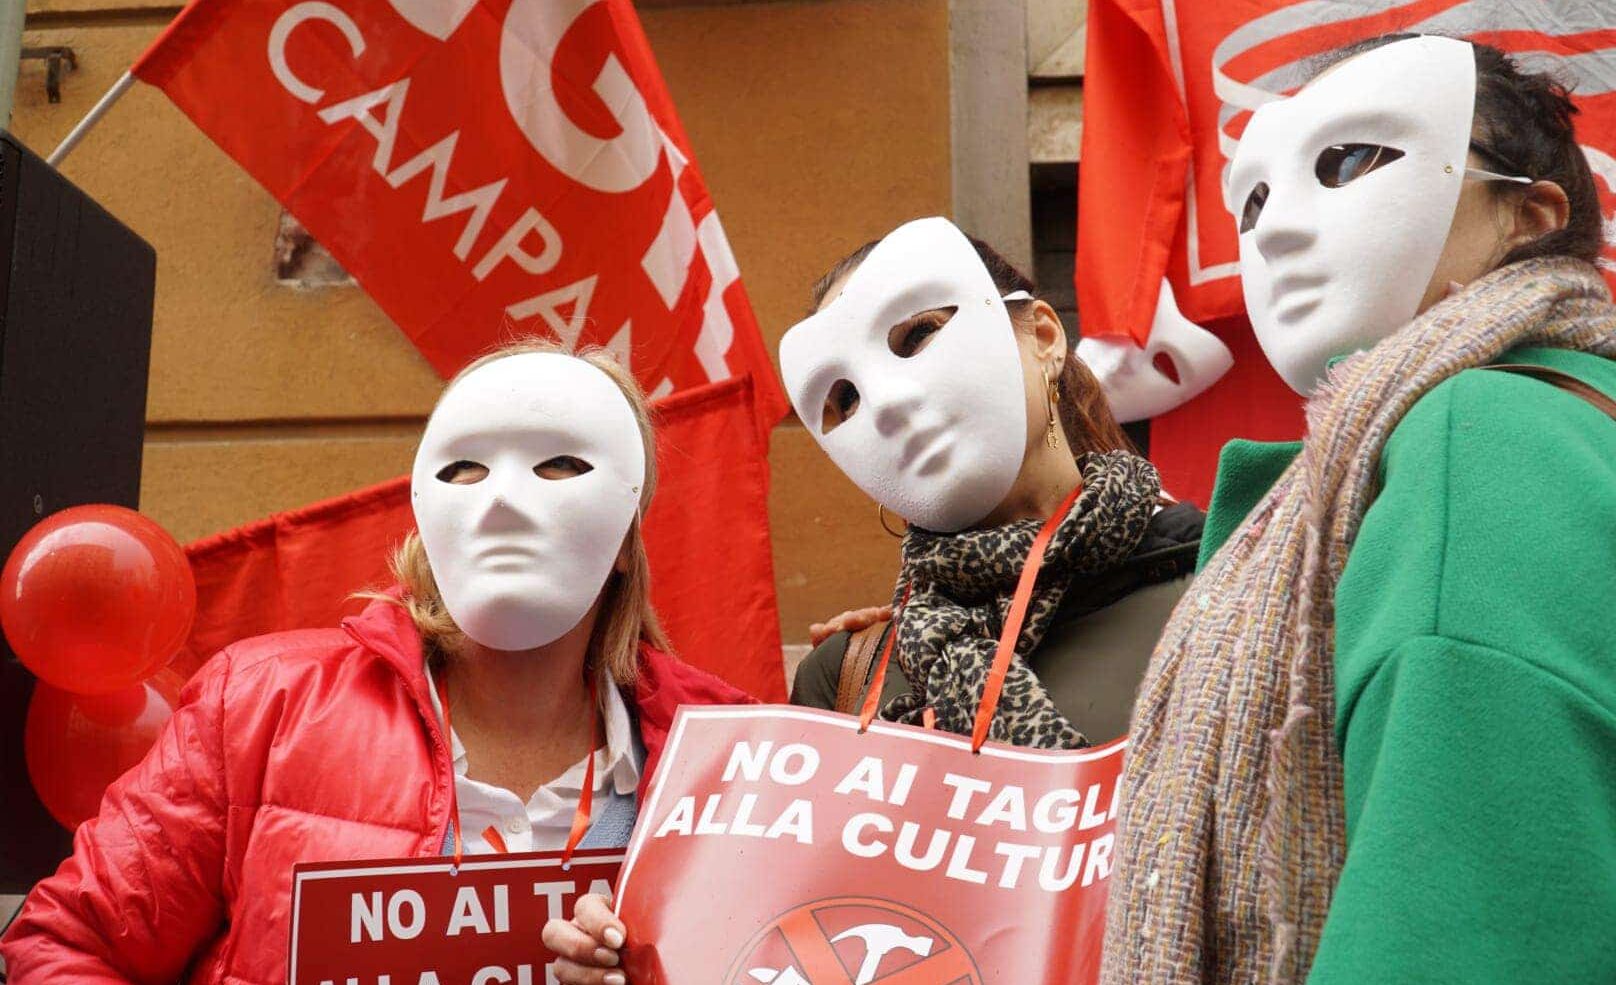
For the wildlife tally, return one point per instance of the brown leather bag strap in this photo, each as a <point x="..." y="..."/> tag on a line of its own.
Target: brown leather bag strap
<point x="1564" y="381"/>
<point x="861" y="651"/>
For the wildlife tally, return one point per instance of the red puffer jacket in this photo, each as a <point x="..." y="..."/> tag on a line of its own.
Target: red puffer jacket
<point x="309" y="745"/>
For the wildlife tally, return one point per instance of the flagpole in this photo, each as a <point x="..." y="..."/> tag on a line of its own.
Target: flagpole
<point x="11" y="26"/>
<point x="91" y="119"/>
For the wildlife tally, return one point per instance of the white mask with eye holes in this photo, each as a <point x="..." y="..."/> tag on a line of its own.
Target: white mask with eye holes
<point x="526" y="481"/>
<point x="1344" y="194"/>
<point x="911" y="381"/>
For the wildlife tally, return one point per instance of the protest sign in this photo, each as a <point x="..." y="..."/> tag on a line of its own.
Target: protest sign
<point x="783" y="846"/>
<point x="421" y="922"/>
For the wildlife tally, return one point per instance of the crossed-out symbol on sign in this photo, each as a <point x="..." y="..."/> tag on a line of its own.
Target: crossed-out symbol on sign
<point x="932" y="956"/>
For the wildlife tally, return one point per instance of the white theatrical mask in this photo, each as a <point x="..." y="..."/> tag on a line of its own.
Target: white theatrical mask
<point x="520" y="558"/>
<point x="937" y="437"/>
<point x="1344" y="194"/>
<point x="1134" y="387"/>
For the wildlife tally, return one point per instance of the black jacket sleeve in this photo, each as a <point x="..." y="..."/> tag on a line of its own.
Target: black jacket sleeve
<point x="819" y="673"/>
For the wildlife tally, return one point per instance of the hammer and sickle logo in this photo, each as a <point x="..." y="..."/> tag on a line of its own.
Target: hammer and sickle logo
<point x="854" y="940"/>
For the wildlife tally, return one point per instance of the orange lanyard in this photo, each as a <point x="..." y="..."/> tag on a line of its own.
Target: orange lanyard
<point x="1017" y="616"/>
<point x="872" y="694"/>
<point x="586" y="797"/>
<point x="1007" y="639"/>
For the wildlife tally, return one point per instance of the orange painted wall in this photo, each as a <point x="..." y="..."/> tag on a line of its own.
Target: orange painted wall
<point x="818" y="123"/>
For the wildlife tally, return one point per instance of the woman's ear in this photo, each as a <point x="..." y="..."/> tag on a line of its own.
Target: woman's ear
<point x="1049" y="335"/>
<point x="1541" y="209"/>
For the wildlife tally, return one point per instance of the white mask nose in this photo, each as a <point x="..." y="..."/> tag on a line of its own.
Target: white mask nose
<point x="502" y="515"/>
<point x="893" y="406"/>
<point x="1280" y="231"/>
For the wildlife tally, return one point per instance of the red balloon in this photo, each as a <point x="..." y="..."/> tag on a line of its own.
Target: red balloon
<point x="76" y="745"/>
<point x="95" y="599"/>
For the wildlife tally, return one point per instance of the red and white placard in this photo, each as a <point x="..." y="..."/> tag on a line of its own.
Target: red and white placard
<point x="422" y="922"/>
<point x="782" y="846"/>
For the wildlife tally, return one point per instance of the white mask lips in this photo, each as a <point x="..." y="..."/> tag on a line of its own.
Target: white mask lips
<point x="937" y="437"/>
<point x="1330" y="271"/>
<point x="518" y="558"/>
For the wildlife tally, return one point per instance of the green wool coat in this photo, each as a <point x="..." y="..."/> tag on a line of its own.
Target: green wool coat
<point x="1475" y="665"/>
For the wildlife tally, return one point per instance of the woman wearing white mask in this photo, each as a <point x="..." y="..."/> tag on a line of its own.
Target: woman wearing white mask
<point x="933" y="378"/>
<point x="523" y="617"/>
<point x="943" y="388"/>
<point x="1375" y="743"/>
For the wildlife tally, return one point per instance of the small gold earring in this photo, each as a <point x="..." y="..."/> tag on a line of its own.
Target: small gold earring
<point x="881" y="514"/>
<point x="1052" y="386"/>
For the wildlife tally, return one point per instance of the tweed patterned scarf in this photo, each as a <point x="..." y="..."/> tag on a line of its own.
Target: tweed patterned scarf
<point x="1232" y="830"/>
<point x="960" y="589"/>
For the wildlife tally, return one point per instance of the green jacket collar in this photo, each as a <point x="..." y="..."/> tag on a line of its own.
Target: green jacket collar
<point x="1246" y="471"/>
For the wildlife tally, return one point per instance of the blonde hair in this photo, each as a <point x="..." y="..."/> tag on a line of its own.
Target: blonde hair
<point x="626" y="615"/>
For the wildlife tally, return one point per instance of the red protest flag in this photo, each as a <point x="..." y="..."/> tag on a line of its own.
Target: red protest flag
<point x="1135" y="154"/>
<point x="707" y="534"/>
<point x="481" y="167"/>
<point x="1167" y="93"/>
<point x="712" y="572"/>
<point x="1143" y="215"/>
<point x="293" y="570"/>
<point x="1250" y="401"/>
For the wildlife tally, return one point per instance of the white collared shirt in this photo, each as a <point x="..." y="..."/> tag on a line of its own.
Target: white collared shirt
<point x="544" y="821"/>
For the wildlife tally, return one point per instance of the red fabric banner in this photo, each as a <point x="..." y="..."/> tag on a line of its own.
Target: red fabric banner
<point x="826" y="855"/>
<point x="1250" y="401"/>
<point x="414" y="921"/>
<point x="481" y="167"/>
<point x="712" y="572"/>
<point x="1167" y="92"/>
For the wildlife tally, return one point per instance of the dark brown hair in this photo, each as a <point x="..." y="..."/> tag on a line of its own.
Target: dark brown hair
<point x="1524" y="123"/>
<point x="1085" y="415"/>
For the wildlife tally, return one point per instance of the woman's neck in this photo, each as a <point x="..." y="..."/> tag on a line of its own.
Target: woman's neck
<point x="524" y="717"/>
<point x="1048" y="475"/>
<point x="523" y="692"/>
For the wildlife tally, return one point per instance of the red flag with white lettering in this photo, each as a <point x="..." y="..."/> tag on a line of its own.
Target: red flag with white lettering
<point x="481" y="167"/>
<point x="1168" y="90"/>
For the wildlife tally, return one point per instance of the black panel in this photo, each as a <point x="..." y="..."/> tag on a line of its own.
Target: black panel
<point x="75" y="347"/>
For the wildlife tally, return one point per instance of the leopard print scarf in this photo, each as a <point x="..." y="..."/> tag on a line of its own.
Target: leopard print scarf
<point x="959" y="591"/>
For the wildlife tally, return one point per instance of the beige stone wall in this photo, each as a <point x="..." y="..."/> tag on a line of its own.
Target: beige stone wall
<point x="818" y="123"/>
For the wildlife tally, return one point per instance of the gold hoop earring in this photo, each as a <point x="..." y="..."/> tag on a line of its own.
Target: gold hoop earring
<point x="1052" y="388"/>
<point x="881" y="514"/>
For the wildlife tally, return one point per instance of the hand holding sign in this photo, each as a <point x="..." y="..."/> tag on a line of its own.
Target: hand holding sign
<point x="586" y="943"/>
